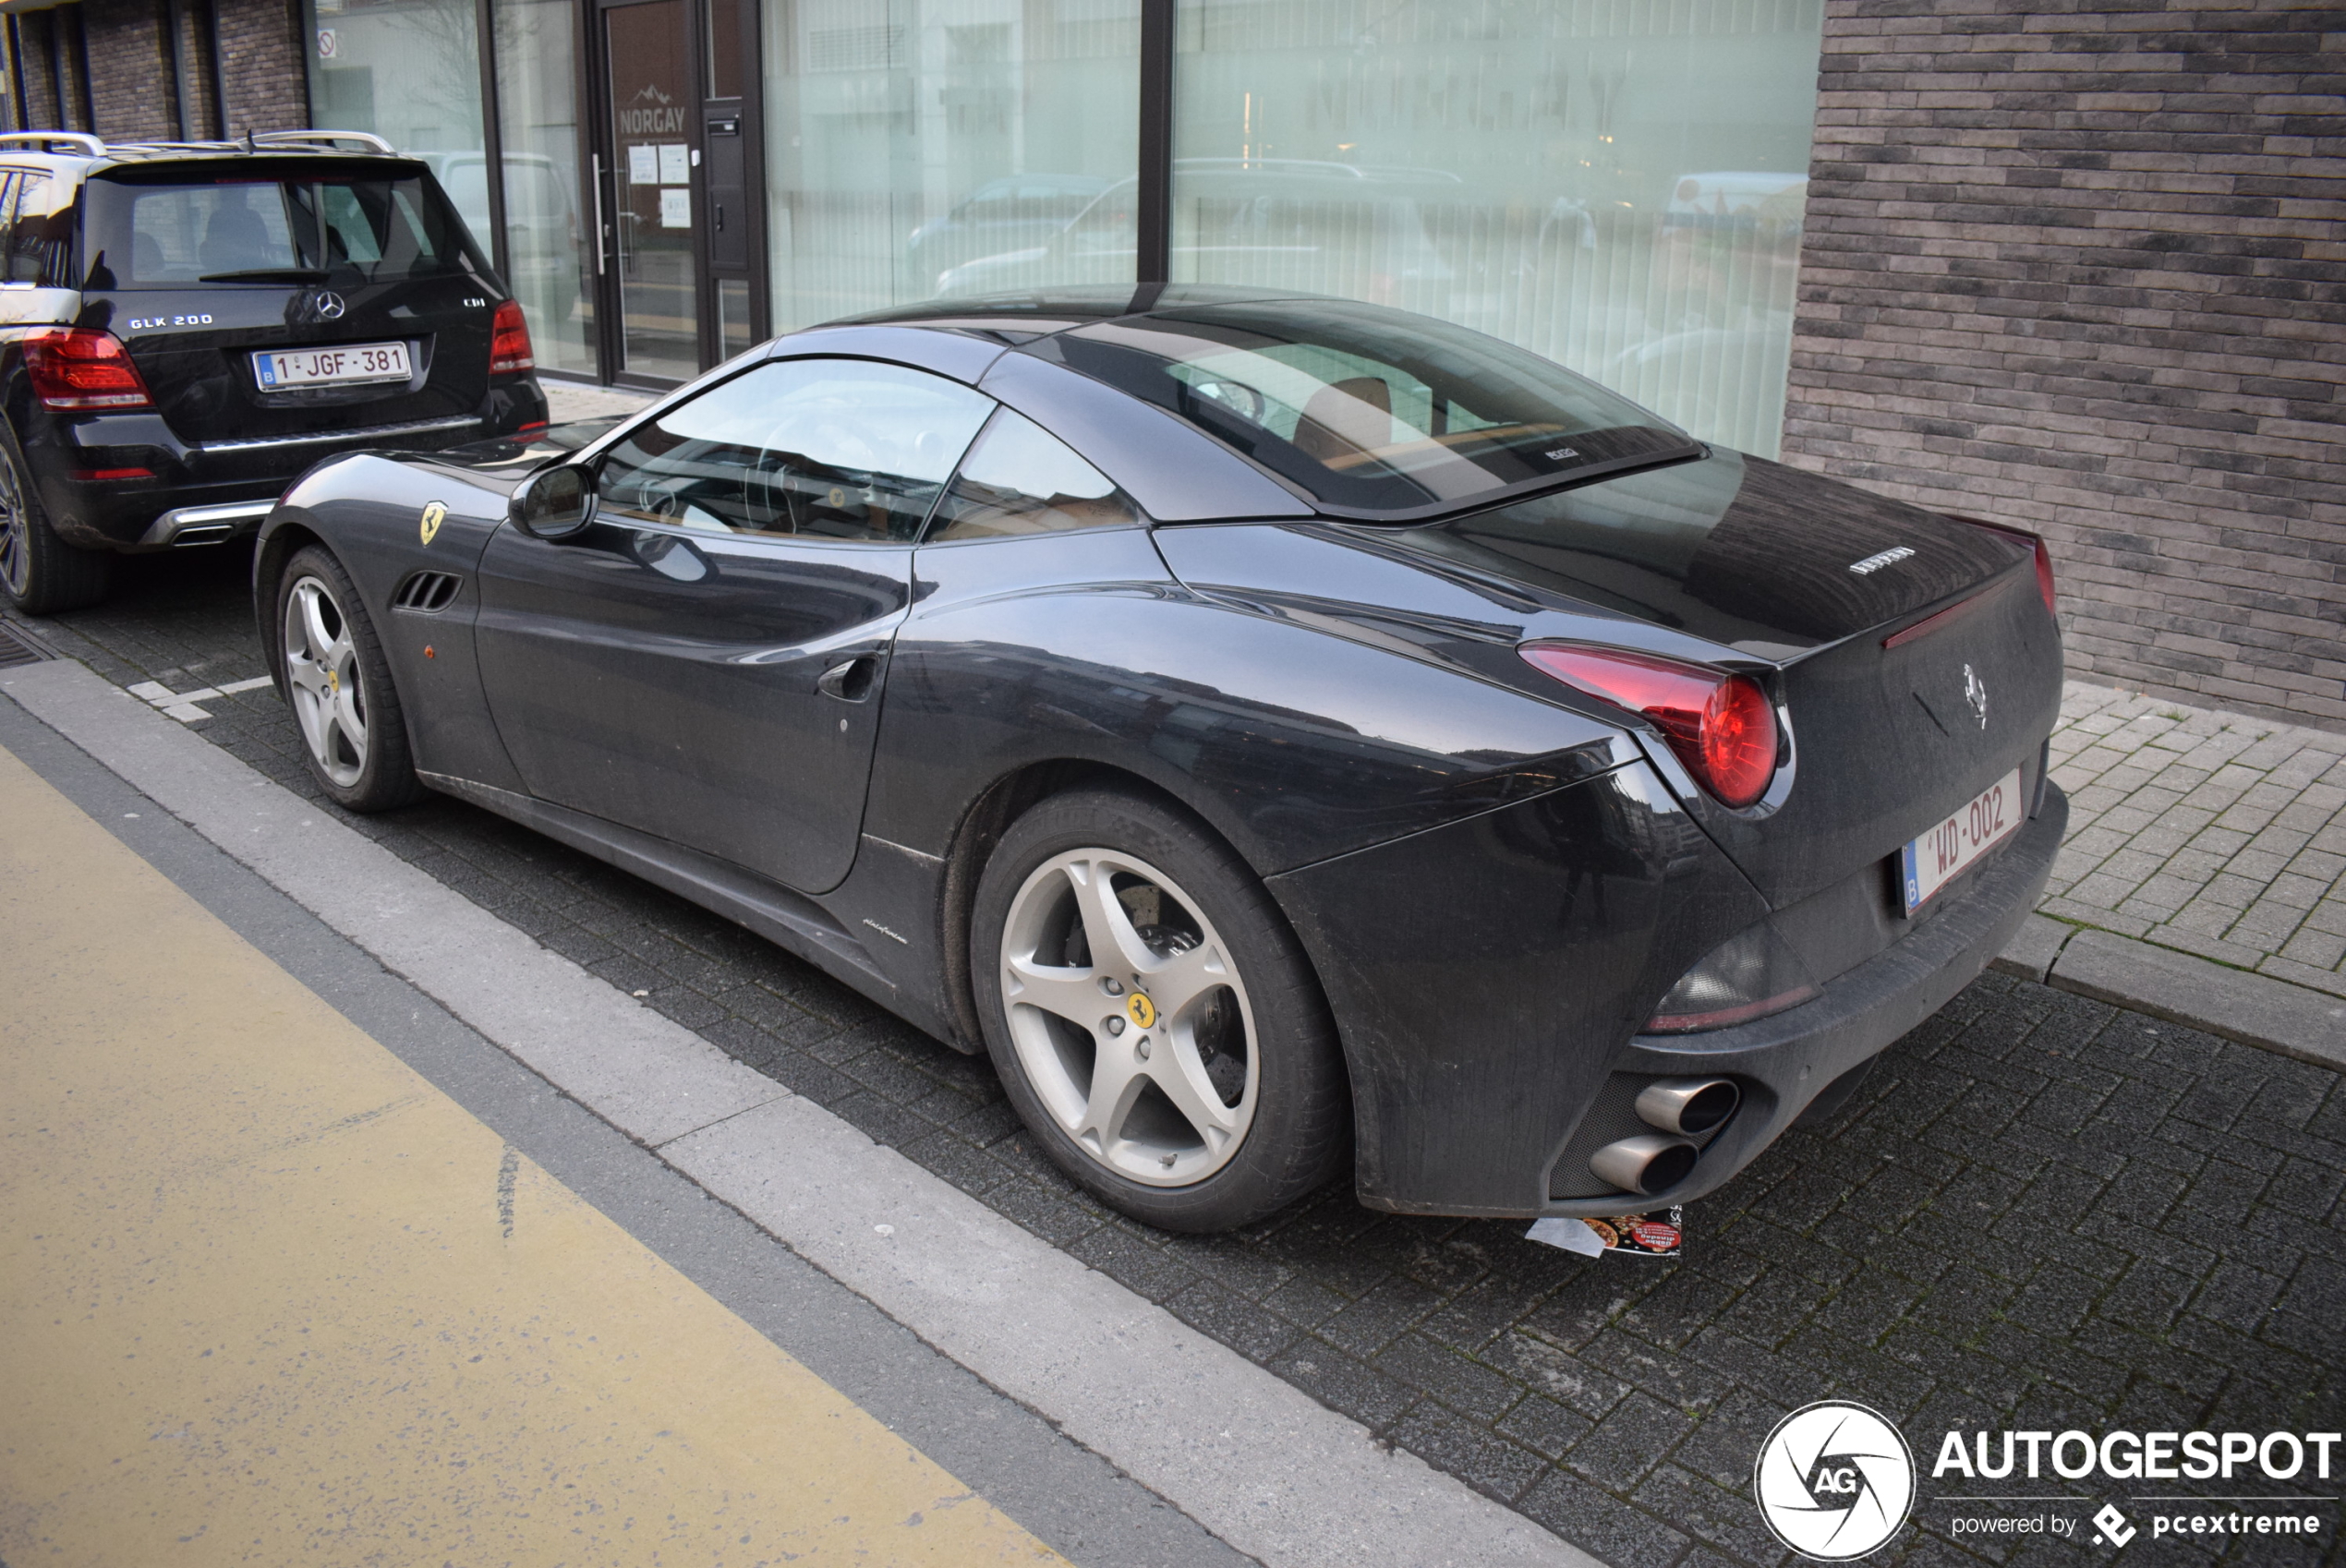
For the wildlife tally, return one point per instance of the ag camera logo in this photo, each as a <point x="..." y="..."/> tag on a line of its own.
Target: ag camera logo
<point x="1834" y="1480"/>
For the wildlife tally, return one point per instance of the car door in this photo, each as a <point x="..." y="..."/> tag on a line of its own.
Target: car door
<point x="704" y="661"/>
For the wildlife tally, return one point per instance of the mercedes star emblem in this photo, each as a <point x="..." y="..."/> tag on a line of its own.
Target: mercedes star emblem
<point x="329" y="305"/>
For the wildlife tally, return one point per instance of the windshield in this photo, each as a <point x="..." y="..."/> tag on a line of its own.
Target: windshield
<point x="233" y="229"/>
<point x="1374" y="413"/>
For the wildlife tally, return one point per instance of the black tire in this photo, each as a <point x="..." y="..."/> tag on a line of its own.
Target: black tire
<point x="40" y="573"/>
<point x="374" y="771"/>
<point x="1296" y="1090"/>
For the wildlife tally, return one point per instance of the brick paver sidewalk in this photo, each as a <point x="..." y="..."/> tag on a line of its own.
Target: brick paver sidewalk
<point x="2210" y="832"/>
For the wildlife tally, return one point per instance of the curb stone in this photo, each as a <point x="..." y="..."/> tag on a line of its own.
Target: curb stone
<point x="2254" y="1010"/>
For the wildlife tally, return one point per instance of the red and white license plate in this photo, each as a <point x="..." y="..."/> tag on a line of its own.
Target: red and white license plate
<point x="346" y="366"/>
<point x="1940" y="856"/>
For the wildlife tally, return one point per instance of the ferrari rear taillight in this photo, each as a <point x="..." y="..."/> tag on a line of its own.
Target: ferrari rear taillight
<point x="79" y="367"/>
<point x="1721" y="726"/>
<point x="2036" y="543"/>
<point x="508" y="348"/>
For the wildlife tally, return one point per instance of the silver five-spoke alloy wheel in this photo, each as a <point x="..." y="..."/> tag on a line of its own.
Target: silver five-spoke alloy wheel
<point x="1129" y="1017"/>
<point x="16" y="531"/>
<point x="321" y="669"/>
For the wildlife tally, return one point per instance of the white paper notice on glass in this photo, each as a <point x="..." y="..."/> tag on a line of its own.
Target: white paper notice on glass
<point x="675" y="208"/>
<point x="675" y="163"/>
<point x="643" y="165"/>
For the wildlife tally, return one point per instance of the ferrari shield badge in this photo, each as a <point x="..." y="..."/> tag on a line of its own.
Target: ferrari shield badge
<point x="434" y="514"/>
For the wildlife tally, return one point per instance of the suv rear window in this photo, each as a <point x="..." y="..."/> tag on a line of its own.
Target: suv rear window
<point x="173" y="233"/>
<point x="1375" y="413"/>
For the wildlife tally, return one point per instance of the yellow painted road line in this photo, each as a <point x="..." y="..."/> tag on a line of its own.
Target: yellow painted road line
<point x="267" y="1296"/>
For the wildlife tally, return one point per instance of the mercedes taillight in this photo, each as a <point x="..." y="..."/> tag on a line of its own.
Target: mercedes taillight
<point x="84" y="369"/>
<point x="509" y="349"/>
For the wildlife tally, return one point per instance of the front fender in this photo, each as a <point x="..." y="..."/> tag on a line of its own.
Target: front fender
<point x="369" y="510"/>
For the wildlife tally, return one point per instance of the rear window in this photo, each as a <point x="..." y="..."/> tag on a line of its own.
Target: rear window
<point x="1374" y="413"/>
<point x="155" y="235"/>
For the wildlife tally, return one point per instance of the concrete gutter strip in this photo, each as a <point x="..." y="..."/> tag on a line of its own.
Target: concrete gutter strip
<point x="1114" y="1372"/>
<point x="1254" y="1460"/>
<point x="2251" y="1008"/>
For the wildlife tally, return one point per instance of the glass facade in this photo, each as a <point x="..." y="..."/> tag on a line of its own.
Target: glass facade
<point x="924" y="146"/>
<point x="1615" y="183"/>
<point x="546" y="228"/>
<point x="410" y="71"/>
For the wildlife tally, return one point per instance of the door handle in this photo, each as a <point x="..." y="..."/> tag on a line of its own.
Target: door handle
<point x="850" y="682"/>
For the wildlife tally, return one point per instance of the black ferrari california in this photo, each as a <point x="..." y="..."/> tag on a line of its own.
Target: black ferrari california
<point x="1277" y="729"/>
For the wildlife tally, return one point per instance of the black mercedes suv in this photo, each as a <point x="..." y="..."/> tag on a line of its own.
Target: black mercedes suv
<point x="186" y="327"/>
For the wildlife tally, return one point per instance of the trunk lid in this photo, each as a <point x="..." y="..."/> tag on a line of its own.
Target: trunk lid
<point x="198" y="267"/>
<point x="1733" y="561"/>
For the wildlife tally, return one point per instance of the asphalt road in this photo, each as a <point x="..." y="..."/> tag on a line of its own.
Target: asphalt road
<point x="2041" y="1213"/>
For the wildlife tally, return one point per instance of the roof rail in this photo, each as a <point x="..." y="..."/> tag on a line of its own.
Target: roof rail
<point x="41" y="139"/>
<point x="174" y="147"/>
<point x="367" y="140"/>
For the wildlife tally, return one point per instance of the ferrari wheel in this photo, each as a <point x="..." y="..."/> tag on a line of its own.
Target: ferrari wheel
<point x="338" y="684"/>
<point x="40" y="573"/>
<point x="1152" y="1017"/>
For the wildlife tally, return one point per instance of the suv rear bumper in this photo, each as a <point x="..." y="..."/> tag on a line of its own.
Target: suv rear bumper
<point x="1784" y="1062"/>
<point x="231" y="481"/>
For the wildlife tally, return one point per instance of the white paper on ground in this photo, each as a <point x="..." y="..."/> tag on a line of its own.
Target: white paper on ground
<point x="1570" y="1235"/>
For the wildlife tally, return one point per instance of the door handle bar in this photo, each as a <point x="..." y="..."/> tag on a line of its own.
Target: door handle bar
<point x="602" y="238"/>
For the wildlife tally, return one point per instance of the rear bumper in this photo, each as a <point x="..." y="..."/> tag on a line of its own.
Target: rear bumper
<point x="1784" y="1062"/>
<point x="230" y="480"/>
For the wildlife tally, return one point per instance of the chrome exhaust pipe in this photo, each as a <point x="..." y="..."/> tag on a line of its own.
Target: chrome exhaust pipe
<point x="1645" y="1166"/>
<point x="200" y="534"/>
<point x="1692" y="1105"/>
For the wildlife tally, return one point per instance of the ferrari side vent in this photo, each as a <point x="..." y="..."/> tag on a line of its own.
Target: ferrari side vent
<point x="427" y="591"/>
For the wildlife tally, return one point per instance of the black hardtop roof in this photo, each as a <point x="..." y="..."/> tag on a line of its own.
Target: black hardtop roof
<point x="1040" y="312"/>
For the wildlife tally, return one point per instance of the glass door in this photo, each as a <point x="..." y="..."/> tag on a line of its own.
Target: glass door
<point x="656" y="134"/>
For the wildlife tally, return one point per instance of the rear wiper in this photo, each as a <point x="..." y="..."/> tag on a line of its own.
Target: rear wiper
<point x="267" y="275"/>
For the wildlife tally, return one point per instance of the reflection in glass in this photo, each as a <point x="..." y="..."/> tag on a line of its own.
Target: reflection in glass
<point x="1019" y="479"/>
<point x="841" y="449"/>
<point x="1615" y="183"/>
<point x="920" y="147"/>
<point x="410" y="71"/>
<point x="1372" y="411"/>
<point x="732" y="317"/>
<point x="548" y="264"/>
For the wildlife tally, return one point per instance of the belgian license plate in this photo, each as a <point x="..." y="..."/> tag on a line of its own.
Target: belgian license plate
<point x="346" y="366"/>
<point x="1940" y="856"/>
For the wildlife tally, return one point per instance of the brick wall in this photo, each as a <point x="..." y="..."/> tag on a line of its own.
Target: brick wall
<point x="2082" y="268"/>
<point x="136" y="92"/>
<point x="263" y="64"/>
<point x="130" y="85"/>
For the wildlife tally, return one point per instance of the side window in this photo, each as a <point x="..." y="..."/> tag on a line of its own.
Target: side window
<point x="841" y="449"/>
<point x="1019" y="479"/>
<point x="40" y="241"/>
<point x="9" y="182"/>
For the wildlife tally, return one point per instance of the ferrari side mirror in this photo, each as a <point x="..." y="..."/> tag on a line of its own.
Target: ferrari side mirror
<point x="553" y="503"/>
